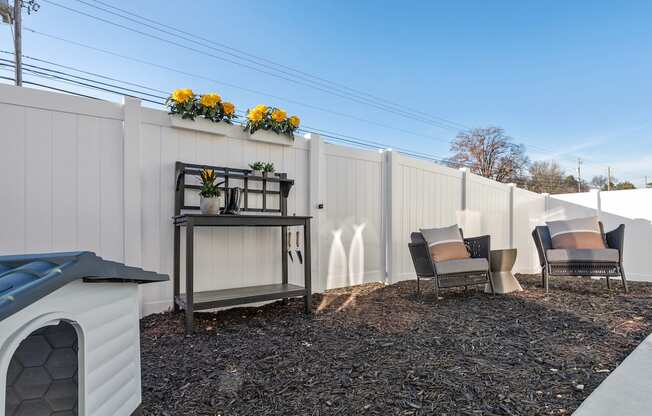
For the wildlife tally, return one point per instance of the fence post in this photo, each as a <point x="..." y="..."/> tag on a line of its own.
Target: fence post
<point x="131" y="181"/>
<point x="512" y="213"/>
<point x="392" y="238"/>
<point x="317" y="176"/>
<point x="546" y="205"/>
<point x="598" y="202"/>
<point x="466" y="180"/>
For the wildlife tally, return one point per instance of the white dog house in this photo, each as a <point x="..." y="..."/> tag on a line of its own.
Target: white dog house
<point x="69" y="335"/>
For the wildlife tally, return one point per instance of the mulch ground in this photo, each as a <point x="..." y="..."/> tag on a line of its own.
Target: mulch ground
<point x="377" y="350"/>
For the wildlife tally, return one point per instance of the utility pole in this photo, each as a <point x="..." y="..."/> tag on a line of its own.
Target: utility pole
<point x="579" y="175"/>
<point x="608" y="178"/>
<point x="18" y="41"/>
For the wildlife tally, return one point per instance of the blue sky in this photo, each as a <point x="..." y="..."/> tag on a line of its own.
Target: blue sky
<point x="567" y="79"/>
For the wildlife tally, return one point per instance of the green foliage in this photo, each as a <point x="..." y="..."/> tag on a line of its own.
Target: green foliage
<point x="619" y="186"/>
<point x="257" y="166"/>
<point x="268" y="167"/>
<point x="624" y="185"/>
<point x="215" y="114"/>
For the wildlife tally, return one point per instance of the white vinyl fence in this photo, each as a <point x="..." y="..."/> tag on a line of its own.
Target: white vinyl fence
<point x="82" y="174"/>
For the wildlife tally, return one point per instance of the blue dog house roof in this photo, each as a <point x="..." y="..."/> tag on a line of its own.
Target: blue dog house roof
<point x="24" y="279"/>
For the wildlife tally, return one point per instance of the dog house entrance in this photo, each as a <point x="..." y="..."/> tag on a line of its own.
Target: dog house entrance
<point x="42" y="375"/>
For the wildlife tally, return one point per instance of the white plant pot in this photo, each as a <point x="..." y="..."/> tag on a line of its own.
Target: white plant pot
<point x="268" y="136"/>
<point x="201" y="124"/>
<point x="257" y="172"/>
<point x="209" y="206"/>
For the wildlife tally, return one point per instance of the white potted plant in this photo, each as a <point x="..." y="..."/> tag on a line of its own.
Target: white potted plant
<point x="257" y="168"/>
<point x="268" y="168"/>
<point x="206" y="113"/>
<point x="209" y="195"/>
<point x="271" y="125"/>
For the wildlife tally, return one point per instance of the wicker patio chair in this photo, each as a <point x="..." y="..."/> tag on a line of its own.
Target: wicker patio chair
<point x="452" y="273"/>
<point x="607" y="262"/>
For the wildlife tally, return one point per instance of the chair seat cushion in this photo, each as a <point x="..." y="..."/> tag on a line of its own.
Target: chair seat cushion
<point x="604" y="255"/>
<point x="462" y="266"/>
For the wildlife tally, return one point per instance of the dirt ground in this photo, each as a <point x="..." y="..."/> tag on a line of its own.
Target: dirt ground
<point x="378" y="350"/>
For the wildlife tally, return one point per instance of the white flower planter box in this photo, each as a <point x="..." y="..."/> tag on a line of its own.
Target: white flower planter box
<point x="267" y="136"/>
<point x="203" y="125"/>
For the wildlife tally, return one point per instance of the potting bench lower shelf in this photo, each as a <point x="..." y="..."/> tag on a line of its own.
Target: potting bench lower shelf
<point x="231" y="297"/>
<point x="191" y="301"/>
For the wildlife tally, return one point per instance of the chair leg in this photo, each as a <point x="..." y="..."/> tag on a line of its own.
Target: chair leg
<point x="608" y="283"/>
<point x="418" y="288"/>
<point x="622" y="276"/>
<point x="436" y="288"/>
<point x="545" y="279"/>
<point x="491" y="284"/>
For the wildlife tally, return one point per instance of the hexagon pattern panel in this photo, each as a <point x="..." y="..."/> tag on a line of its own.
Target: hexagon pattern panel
<point x="42" y="376"/>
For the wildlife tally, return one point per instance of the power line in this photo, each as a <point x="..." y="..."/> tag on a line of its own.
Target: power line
<point x="304" y="75"/>
<point x="234" y="86"/>
<point x="276" y="97"/>
<point x="84" y="79"/>
<point x="274" y="66"/>
<point x="329" y="134"/>
<point x="257" y="59"/>
<point x="45" y="75"/>
<point x="382" y="107"/>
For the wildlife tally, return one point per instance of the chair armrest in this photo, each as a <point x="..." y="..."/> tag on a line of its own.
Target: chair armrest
<point x="542" y="242"/>
<point x="421" y="259"/>
<point x="616" y="239"/>
<point x="479" y="247"/>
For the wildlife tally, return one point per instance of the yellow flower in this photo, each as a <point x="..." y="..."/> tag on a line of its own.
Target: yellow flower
<point x="261" y="108"/>
<point x="182" y="96"/>
<point x="294" y="121"/>
<point x="210" y="100"/>
<point x="229" y="108"/>
<point x="278" y="115"/>
<point x="255" y="115"/>
<point x="208" y="175"/>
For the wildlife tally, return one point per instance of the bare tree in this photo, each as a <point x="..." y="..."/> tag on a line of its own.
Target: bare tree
<point x="490" y="153"/>
<point x="599" y="181"/>
<point x="546" y="177"/>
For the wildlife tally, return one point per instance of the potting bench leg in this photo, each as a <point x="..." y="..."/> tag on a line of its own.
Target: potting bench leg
<point x="177" y="267"/>
<point x="284" y="258"/>
<point x="307" y="268"/>
<point x="190" y="240"/>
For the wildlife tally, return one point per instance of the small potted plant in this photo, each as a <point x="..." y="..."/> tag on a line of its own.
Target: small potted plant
<point x="274" y="120"/>
<point x="268" y="168"/>
<point x="209" y="194"/>
<point x="257" y="168"/>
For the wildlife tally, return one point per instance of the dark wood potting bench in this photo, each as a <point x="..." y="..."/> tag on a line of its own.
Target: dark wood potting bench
<point x="274" y="186"/>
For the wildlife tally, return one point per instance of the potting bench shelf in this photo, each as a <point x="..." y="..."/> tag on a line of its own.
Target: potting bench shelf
<point x="231" y="297"/>
<point x="264" y="215"/>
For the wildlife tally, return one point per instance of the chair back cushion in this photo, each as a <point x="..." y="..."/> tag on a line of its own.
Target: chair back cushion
<point x="579" y="233"/>
<point x="445" y="243"/>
